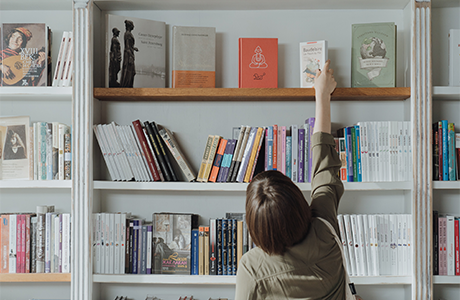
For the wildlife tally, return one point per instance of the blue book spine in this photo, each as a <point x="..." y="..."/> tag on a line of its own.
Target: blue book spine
<point x="301" y="154"/>
<point x="358" y="153"/>
<point x="445" y="151"/>
<point x="289" y="156"/>
<point x="194" y="256"/>
<point x="348" y="145"/>
<point x="135" y="246"/>
<point x="234" y="246"/>
<point x="219" y="264"/>
<point x="269" y="149"/>
<point x="224" y="246"/>
<point x="451" y="142"/>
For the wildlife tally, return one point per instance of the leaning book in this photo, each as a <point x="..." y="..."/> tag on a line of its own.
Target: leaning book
<point x="135" y="54"/>
<point x="373" y="62"/>
<point x="14" y="137"/>
<point x="24" y="54"/>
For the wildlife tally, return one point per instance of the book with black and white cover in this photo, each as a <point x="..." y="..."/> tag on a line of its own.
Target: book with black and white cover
<point x="177" y="154"/>
<point x="351" y="245"/>
<point x="238" y="154"/>
<point x="14" y="160"/>
<point x="135" y="52"/>
<point x="41" y="238"/>
<point x="163" y="151"/>
<point x="246" y="154"/>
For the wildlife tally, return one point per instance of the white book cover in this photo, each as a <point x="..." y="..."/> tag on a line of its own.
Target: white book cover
<point x="364" y="152"/>
<point x="127" y="168"/>
<point x="123" y="243"/>
<point x="142" y="168"/>
<point x="48" y="232"/>
<point x="128" y="153"/>
<point x="313" y="56"/>
<point x="367" y="242"/>
<point x="60" y="59"/>
<point x="450" y="246"/>
<point x="66" y="224"/>
<point x="351" y="245"/>
<point x="387" y="244"/>
<point x="358" y="253"/>
<point x="381" y="242"/>
<point x="454" y="57"/>
<point x="409" y="244"/>
<point x="135" y="52"/>
<point x="117" y="244"/>
<point x="362" y="244"/>
<point x="68" y="63"/>
<point x="343" y="236"/>
<point x="295" y="153"/>
<point x="36" y="148"/>
<point x="107" y="243"/>
<point x="393" y="226"/>
<point x="371" y="150"/>
<point x="106" y="153"/>
<point x="400" y="161"/>
<point x="400" y="223"/>
<point x="149" y="249"/>
<point x="103" y="244"/>
<point x="12" y="244"/>
<point x="374" y="245"/>
<point x="111" y="149"/>
<point x="141" y="153"/>
<point x="95" y="244"/>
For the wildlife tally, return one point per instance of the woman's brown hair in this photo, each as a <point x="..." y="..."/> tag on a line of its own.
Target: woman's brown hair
<point x="277" y="214"/>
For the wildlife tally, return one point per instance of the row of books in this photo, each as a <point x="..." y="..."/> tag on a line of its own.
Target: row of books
<point x="446" y="151"/>
<point x="446" y="245"/>
<point x="375" y="151"/>
<point x="141" y="153"/>
<point x="378" y="244"/>
<point x="194" y="53"/>
<point x="41" y="151"/>
<point x="170" y="244"/>
<point x="35" y="242"/>
<point x="26" y="56"/>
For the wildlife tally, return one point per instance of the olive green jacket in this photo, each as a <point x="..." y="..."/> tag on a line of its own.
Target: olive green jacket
<point x="312" y="269"/>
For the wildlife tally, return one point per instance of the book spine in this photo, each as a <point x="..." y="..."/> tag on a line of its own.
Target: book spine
<point x="234" y="246"/>
<point x="445" y="151"/>
<point x="435" y="243"/>
<point x="219" y="260"/>
<point x="224" y="248"/>
<point x="227" y="160"/>
<point x="239" y="156"/>
<point x="254" y="151"/>
<point x="66" y="229"/>
<point x="33" y="244"/>
<point x="311" y="126"/>
<point x="212" y="247"/>
<point x="204" y="160"/>
<point x="457" y="247"/>
<point x="349" y="148"/>
<point x="295" y="153"/>
<point x="149" y="249"/>
<point x="275" y="147"/>
<point x="144" y="250"/>
<point x="162" y="151"/>
<point x="41" y="240"/>
<point x="218" y="160"/>
<point x="358" y="154"/>
<point x="67" y="156"/>
<point x="194" y="255"/>
<point x="4" y="243"/>
<point x="135" y="246"/>
<point x="451" y="151"/>
<point x="301" y="155"/>
<point x="289" y="157"/>
<point x="201" y="250"/>
<point x="212" y="154"/>
<point x="246" y="154"/>
<point x="229" y="247"/>
<point x="236" y="152"/>
<point x="145" y="148"/>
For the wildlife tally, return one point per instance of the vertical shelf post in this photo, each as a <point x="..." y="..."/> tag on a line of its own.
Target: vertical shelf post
<point x="421" y="104"/>
<point x="82" y="192"/>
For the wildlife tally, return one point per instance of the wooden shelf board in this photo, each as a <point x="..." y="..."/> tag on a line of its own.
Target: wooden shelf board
<point x="226" y="280"/>
<point x="34" y="277"/>
<point x="247" y="94"/>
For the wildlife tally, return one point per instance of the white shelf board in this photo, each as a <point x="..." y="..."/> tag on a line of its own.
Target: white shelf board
<point x="36" y="4"/>
<point x="227" y="280"/>
<point x="247" y="5"/>
<point x="38" y="93"/>
<point x="446" y="93"/>
<point x="35" y="184"/>
<point x="446" y="279"/>
<point x="446" y="185"/>
<point x="235" y="187"/>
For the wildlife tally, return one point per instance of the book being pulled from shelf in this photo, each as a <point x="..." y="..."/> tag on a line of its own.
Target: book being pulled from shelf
<point x="141" y="152"/>
<point x="25" y="54"/>
<point x="64" y="65"/>
<point x="313" y="56"/>
<point x="446" y="245"/>
<point x="446" y="151"/>
<point x="35" y="242"/>
<point x="377" y="244"/>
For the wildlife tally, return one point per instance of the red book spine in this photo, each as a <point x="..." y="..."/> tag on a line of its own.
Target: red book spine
<point x="145" y="147"/>
<point x="457" y="248"/>
<point x="27" y="244"/>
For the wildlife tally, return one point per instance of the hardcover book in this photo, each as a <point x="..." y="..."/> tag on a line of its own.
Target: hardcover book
<point x="313" y="56"/>
<point x="138" y="57"/>
<point x="14" y="160"/>
<point x="373" y="61"/>
<point x="24" y="54"/>
<point x="193" y="57"/>
<point x="454" y="57"/>
<point x="258" y="63"/>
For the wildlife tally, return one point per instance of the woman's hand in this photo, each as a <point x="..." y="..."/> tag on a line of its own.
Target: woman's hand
<point x="324" y="81"/>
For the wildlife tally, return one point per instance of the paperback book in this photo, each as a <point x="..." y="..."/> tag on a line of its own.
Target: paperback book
<point x="313" y="56"/>
<point x="373" y="60"/>
<point x="258" y="63"/>
<point x="14" y="154"/>
<point x="138" y="57"/>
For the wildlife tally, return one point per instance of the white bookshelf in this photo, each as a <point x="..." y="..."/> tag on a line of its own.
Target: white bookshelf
<point x="41" y="104"/>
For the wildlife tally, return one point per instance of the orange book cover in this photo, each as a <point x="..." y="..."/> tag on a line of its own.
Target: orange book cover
<point x="218" y="160"/>
<point x="258" y="63"/>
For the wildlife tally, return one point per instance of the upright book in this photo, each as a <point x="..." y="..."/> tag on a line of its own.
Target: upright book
<point x="313" y="56"/>
<point x="24" y="54"/>
<point x="373" y="55"/>
<point x="258" y="63"/>
<point x="139" y="59"/>
<point x="193" y="57"/>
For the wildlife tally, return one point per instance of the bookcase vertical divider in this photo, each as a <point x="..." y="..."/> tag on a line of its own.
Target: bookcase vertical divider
<point x="421" y="101"/>
<point x="82" y="191"/>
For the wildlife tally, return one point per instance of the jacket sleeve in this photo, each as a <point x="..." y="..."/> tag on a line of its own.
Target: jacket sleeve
<point x="246" y="286"/>
<point x="326" y="186"/>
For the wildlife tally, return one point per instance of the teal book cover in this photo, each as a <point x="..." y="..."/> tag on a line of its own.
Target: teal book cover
<point x="373" y="62"/>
